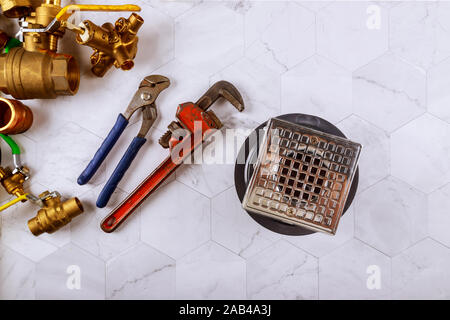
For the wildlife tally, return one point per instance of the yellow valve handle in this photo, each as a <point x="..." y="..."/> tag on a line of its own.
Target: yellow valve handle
<point x="67" y="11"/>
<point x="13" y="202"/>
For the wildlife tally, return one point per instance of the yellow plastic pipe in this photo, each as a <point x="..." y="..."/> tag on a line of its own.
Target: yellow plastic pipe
<point x="13" y="202"/>
<point x="67" y="11"/>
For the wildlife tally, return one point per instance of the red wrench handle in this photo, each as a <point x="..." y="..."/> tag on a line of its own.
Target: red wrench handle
<point x="138" y="196"/>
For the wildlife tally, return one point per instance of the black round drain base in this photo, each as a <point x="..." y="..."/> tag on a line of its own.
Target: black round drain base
<point x="243" y="172"/>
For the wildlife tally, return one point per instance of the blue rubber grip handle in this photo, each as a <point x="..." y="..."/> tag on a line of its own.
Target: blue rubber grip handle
<point x="104" y="150"/>
<point x="119" y="172"/>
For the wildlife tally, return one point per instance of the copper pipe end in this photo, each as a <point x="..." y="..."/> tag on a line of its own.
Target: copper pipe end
<point x="15" y="117"/>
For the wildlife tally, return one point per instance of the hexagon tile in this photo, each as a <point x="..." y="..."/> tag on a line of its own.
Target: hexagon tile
<point x="233" y="228"/>
<point x="152" y="278"/>
<point x="265" y="21"/>
<point x="282" y="272"/>
<point x="420" y="153"/>
<point x="438" y="217"/>
<point x="389" y="92"/>
<point x="319" y="87"/>
<point x="210" y="272"/>
<point x="352" y="33"/>
<point x="345" y="273"/>
<point x="70" y="273"/>
<point x="176" y="220"/>
<point x="416" y="32"/>
<point x="391" y="216"/>
<point x="209" y="28"/>
<point x="421" y="272"/>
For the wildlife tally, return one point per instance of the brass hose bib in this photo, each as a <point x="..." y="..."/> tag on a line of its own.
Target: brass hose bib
<point x="54" y="214"/>
<point x="15" y="117"/>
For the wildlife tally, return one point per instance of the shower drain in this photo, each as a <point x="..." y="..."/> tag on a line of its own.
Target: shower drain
<point x="302" y="176"/>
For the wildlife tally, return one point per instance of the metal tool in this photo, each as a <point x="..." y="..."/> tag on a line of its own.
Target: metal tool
<point x="197" y="124"/>
<point x="144" y="99"/>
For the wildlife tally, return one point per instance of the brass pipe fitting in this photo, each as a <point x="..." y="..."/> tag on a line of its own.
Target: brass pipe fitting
<point x="15" y="117"/>
<point x="113" y="44"/>
<point x="38" y="75"/>
<point x="16" y="8"/>
<point x="13" y="182"/>
<point x="54" y="214"/>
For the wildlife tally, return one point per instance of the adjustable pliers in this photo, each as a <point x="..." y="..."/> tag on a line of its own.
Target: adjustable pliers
<point x="144" y="99"/>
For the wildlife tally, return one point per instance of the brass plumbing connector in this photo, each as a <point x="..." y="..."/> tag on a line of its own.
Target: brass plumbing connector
<point x="13" y="181"/>
<point x="37" y="71"/>
<point x="15" y="117"/>
<point x="113" y="44"/>
<point x="54" y="214"/>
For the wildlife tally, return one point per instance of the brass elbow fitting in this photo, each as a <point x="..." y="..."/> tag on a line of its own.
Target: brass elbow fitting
<point x="16" y="8"/>
<point x="13" y="182"/>
<point x="113" y="44"/>
<point x="54" y="214"/>
<point x="38" y="74"/>
<point x="15" y="117"/>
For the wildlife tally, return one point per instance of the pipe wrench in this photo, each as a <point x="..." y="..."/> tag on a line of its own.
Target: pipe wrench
<point x="197" y="124"/>
<point x="144" y="99"/>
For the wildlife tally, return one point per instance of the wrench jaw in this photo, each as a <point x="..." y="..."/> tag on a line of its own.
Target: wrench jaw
<point x="221" y="89"/>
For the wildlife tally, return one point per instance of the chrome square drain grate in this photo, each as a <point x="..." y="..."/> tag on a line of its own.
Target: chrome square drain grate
<point x="302" y="176"/>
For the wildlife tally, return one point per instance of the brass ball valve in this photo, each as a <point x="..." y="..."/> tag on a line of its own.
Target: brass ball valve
<point x="37" y="71"/>
<point x="54" y="214"/>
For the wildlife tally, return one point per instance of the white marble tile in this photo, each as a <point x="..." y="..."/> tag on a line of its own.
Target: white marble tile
<point x="175" y="219"/>
<point x="187" y="84"/>
<point x="391" y="216"/>
<point x="320" y="244"/>
<point x="16" y="235"/>
<point x="319" y="87"/>
<point x="343" y="274"/>
<point x="173" y="8"/>
<point x="389" y="92"/>
<point x="438" y="217"/>
<point x="67" y="152"/>
<point x="260" y="89"/>
<point x="416" y="33"/>
<point x="282" y="272"/>
<point x="210" y="272"/>
<point x="209" y="28"/>
<point x="233" y="228"/>
<point x="208" y="179"/>
<point x="16" y="276"/>
<point x="140" y="273"/>
<point x="438" y="97"/>
<point x="421" y="272"/>
<point x="420" y="152"/>
<point x="344" y="36"/>
<point x="70" y="273"/>
<point x="282" y="31"/>
<point x="86" y="232"/>
<point x="374" y="162"/>
<point x="315" y="5"/>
